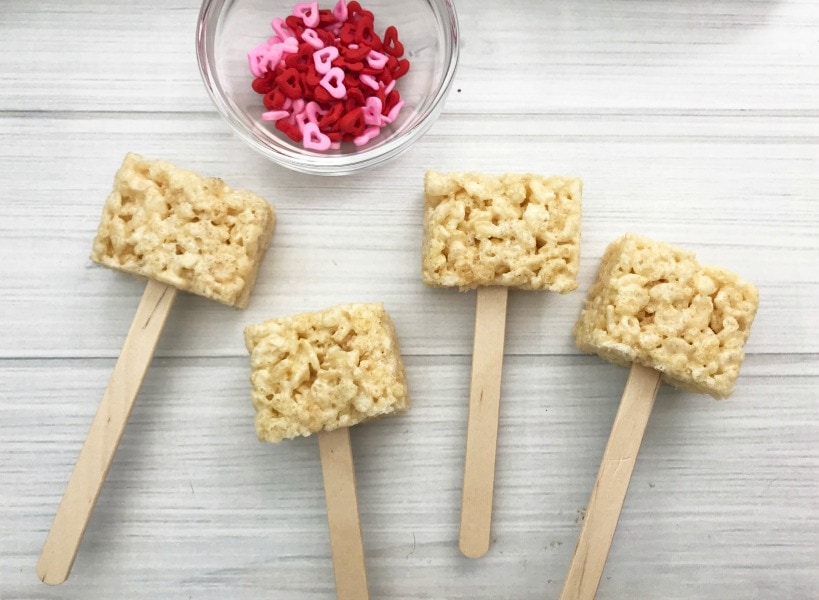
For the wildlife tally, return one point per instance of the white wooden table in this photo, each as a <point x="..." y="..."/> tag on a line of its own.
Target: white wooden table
<point x="692" y="122"/>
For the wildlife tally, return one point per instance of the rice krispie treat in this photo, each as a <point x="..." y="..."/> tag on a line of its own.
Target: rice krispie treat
<point x="325" y="370"/>
<point x="656" y="305"/>
<point x="191" y="232"/>
<point x="512" y="230"/>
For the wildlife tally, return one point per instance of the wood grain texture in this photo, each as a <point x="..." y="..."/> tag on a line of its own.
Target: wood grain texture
<point x="196" y="505"/>
<point x="693" y="122"/>
<point x="338" y="473"/>
<point x="101" y="443"/>
<point x="610" y="486"/>
<point x="482" y="421"/>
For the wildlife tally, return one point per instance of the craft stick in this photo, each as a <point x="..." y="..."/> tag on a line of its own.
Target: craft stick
<point x="342" y="514"/>
<point x="100" y="445"/>
<point x="482" y="426"/>
<point x="610" y="487"/>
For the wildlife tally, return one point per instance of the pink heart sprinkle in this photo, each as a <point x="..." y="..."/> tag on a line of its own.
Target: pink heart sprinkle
<point x="365" y="137"/>
<point x="290" y="44"/>
<point x="376" y="60"/>
<point x="369" y="81"/>
<point x="314" y="111"/>
<point x="301" y="121"/>
<point x="275" y="115"/>
<point x="372" y="111"/>
<point x="272" y="58"/>
<point x="340" y="11"/>
<point x="313" y="138"/>
<point x="280" y="28"/>
<point x="333" y="82"/>
<point x="298" y="105"/>
<point x="311" y="37"/>
<point x="395" y="110"/>
<point x="255" y="59"/>
<point x="308" y="11"/>
<point x="323" y="59"/>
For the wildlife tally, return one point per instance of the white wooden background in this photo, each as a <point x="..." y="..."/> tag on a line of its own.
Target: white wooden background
<point x="693" y="121"/>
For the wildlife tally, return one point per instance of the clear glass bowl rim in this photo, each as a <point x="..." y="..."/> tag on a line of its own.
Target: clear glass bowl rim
<point x="316" y="163"/>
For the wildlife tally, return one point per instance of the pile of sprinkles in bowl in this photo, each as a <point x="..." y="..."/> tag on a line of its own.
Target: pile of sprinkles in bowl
<point x="327" y="77"/>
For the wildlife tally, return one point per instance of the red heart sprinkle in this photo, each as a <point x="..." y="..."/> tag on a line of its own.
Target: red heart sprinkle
<point x="391" y="44"/>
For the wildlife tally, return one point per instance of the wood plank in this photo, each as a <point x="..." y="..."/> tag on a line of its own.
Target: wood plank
<point x="652" y="55"/>
<point x="106" y="430"/>
<point x="703" y="192"/>
<point x="694" y="123"/>
<point x="192" y="488"/>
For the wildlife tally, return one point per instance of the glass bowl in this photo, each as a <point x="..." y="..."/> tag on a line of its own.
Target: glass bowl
<point x="227" y="29"/>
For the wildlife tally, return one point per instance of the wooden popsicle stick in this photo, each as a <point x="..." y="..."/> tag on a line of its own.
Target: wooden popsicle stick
<point x="610" y="487"/>
<point x="482" y="426"/>
<point x="342" y="514"/>
<point x="100" y="445"/>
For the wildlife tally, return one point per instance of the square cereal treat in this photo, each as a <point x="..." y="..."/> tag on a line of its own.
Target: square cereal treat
<point x="656" y="305"/>
<point x="512" y="230"/>
<point x="191" y="232"/>
<point x="325" y="370"/>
